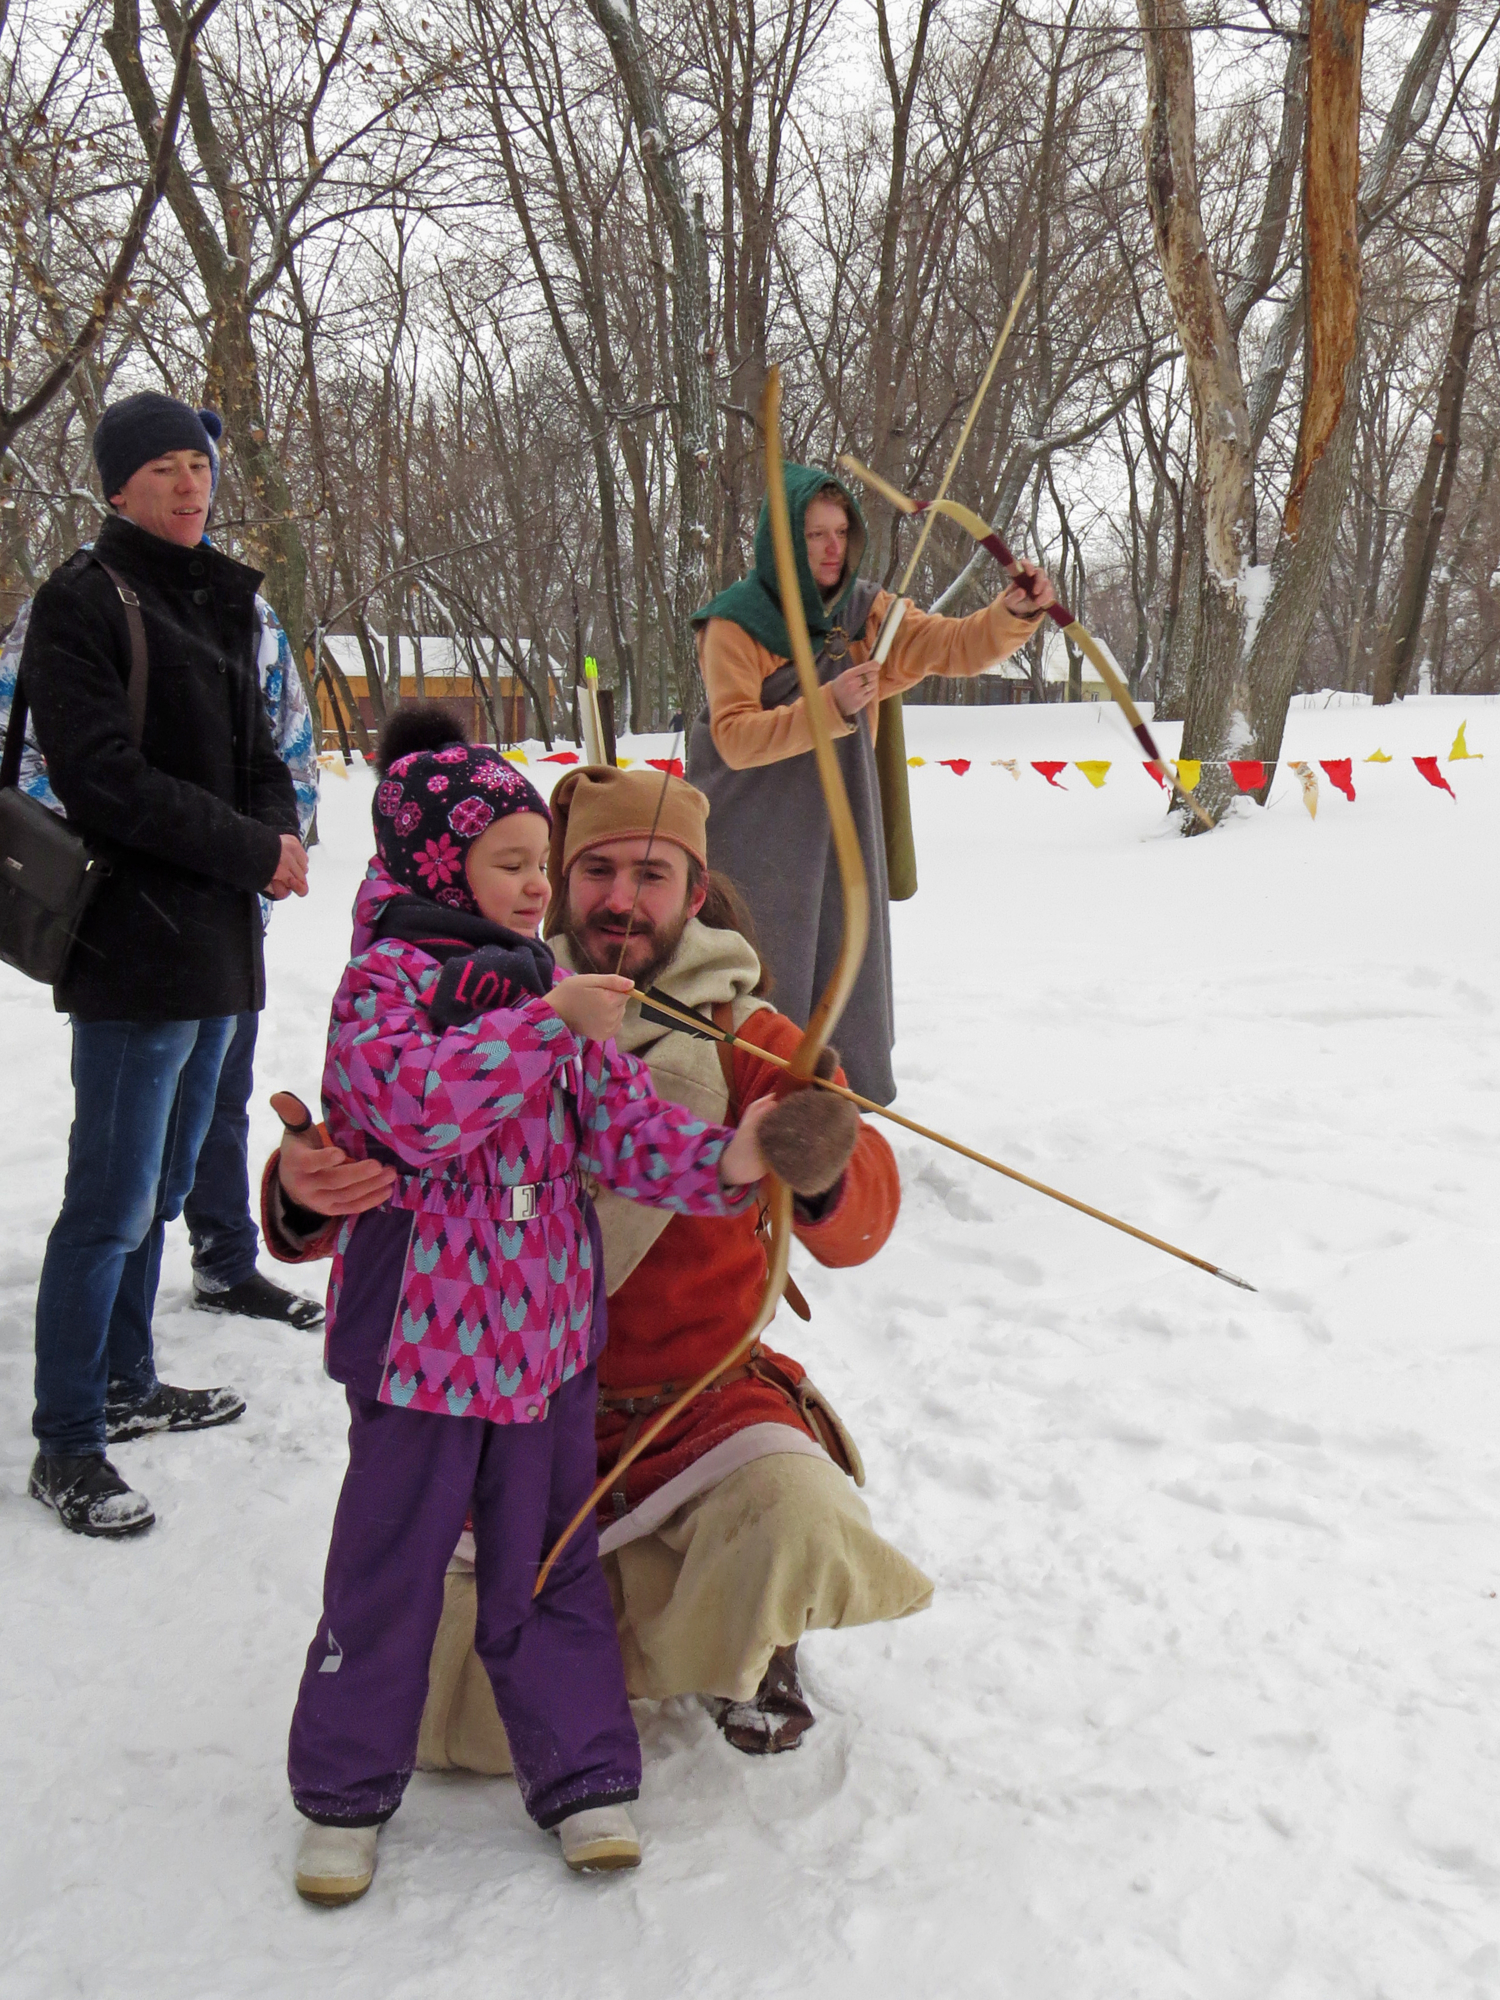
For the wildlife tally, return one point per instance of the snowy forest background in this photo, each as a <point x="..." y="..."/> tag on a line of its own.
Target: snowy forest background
<point x="486" y="290"/>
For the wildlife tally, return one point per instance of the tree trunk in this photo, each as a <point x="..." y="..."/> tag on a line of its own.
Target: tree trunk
<point x="1468" y="536"/>
<point x="696" y="427"/>
<point x="1330" y="390"/>
<point x="1429" y="504"/>
<point x="272" y="537"/>
<point x="1221" y="421"/>
<point x="1217" y="696"/>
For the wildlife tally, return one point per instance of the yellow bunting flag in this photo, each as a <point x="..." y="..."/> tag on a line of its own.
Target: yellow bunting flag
<point x="624" y="762"/>
<point x="1461" y="751"/>
<point x="1095" y="769"/>
<point x="915" y="761"/>
<point x="1011" y="764"/>
<point x="515" y="756"/>
<point x="1189" y="771"/>
<point x="1377" y="757"/>
<point x="1308" y="778"/>
<point x="333" y="760"/>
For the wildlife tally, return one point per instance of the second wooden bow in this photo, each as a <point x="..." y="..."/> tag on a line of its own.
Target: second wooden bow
<point x="1082" y="638"/>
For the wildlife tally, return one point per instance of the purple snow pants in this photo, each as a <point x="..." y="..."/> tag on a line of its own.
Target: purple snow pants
<point x="554" y="1664"/>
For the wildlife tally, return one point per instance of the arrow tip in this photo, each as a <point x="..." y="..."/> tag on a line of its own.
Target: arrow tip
<point x="1230" y="1279"/>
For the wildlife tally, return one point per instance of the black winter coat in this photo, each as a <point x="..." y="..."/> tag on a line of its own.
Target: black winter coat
<point x="190" y="823"/>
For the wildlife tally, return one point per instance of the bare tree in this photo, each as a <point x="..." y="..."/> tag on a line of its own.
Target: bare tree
<point x="1428" y="509"/>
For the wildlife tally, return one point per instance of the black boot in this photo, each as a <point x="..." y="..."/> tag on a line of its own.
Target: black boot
<point x="776" y="1717"/>
<point x="169" y="1409"/>
<point x="88" y="1495"/>
<point x="256" y="1297"/>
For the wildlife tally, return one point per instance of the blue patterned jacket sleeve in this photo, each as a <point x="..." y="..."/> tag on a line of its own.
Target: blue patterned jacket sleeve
<point x="291" y="725"/>
<point x="286" y="705"/>
<point x="34" y="781"/>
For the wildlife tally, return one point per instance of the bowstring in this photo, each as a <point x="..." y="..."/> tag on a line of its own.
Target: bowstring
<point x="640" y="880"/>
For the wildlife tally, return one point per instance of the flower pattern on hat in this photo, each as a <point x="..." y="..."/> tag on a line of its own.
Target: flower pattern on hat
<point x="470" y="817"/>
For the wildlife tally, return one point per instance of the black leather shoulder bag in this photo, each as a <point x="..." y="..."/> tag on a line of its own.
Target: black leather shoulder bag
<point x="48" y="877"/>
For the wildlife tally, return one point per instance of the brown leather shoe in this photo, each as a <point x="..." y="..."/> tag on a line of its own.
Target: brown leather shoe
<point x="776" y="1717"/>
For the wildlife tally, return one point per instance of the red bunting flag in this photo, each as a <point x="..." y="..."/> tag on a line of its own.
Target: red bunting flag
<point x="672" y="765"/>
<point x="560" y="757"/>
<point x="1339" y="772"/>
<point x="1049" y="772"/>
<point x="1249" y="773"/>
<point x="958" y="764"/>
<point x="1428" y="766"/>
<point x="1154" y="771"/>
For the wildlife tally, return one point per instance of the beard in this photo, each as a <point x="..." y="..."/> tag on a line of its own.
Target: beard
<point x="650" y="950"/>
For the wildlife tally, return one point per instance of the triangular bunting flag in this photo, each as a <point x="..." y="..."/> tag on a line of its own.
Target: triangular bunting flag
<point x="916" y="763"/>
<point x="1377" y="757"/>
<point x="672" y="765"/>
<point x="1339" y="771"/>
<point x="1461" y="751"/>
<point x="624" y="762"/>
<point x="1428" y="766"/>
<point x="1249" y="773"/>
<point x="1095" y="769"/>
<point x="1308" y="779"/>
<point x="958" y="764"/>
<point x="515" y="756"/>
<point x="560" y="757"/>
<point x="1153" y="772"/>
<point x="1189" y="771"/>
<point x="1010" y="764"/>
<point x="1049" y="772"/>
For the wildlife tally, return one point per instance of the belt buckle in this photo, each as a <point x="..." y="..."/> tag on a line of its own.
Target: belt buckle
<point x="523" y="1202"/>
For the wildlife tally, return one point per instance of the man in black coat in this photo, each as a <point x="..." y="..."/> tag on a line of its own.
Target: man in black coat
<point x="192" y="824"/>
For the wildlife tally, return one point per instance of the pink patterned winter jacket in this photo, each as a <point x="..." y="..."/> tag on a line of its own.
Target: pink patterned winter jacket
<point x="447" y="1297"/>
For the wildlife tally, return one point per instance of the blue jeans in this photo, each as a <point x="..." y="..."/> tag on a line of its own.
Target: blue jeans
<point x="217" y="1210"/>
<point x="143" y="1095"/>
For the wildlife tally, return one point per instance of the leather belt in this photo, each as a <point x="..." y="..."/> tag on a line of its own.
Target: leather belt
<point x="640" y="1402"/>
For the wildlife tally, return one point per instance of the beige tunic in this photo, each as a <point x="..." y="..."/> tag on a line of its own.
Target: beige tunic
<point x="734" y="665"/>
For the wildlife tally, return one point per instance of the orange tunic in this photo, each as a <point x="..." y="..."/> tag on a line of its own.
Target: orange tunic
<point x="734" y="665"/>
<point x="694" y="1293"/>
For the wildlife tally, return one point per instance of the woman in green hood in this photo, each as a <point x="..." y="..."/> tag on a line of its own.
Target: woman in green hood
<point x="751" y="749"/>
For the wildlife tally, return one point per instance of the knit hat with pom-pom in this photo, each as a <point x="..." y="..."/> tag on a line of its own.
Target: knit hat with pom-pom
<point x="437" y="793"/>
<point x="140" y="428"/>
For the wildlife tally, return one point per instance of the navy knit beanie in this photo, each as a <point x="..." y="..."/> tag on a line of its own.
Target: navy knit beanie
<point x="146" y="426"/>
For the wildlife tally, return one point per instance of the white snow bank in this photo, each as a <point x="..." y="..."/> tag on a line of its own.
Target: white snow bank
<point x="1205" y="1703"/>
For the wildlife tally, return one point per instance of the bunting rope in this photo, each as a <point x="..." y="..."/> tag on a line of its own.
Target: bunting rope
<point x="1250" y="774"/>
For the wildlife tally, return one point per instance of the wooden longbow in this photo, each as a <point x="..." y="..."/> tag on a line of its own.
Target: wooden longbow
<point x="835" y="995"/>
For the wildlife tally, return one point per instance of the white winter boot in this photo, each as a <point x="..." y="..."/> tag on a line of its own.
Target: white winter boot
<point x="335" y="1864"/>
<point x="598" y="1839"/>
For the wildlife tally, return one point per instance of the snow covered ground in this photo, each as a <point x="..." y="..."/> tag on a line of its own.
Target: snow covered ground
<point x="1205" y="1704"/>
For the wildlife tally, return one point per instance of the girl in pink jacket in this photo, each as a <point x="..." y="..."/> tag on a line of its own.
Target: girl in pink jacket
<point x="465" y="1316"/>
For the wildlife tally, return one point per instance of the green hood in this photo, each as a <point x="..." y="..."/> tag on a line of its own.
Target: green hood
<point x="755" y="602"/>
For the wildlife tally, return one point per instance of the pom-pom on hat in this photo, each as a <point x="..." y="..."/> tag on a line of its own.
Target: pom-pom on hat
<point x="142" y="427"/>
<point x="438" y="793"/>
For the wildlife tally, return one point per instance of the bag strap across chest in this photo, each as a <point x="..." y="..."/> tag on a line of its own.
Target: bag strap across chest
<point x="135" y="692"/>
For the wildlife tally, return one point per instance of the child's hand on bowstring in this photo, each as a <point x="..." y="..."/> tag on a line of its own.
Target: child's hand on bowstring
<point x="592" y="1003"/>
